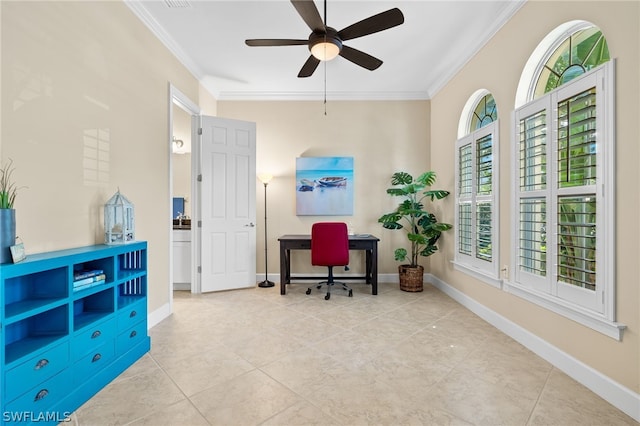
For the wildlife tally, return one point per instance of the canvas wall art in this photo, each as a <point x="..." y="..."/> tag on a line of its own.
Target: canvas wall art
<point x="324" y="186"/>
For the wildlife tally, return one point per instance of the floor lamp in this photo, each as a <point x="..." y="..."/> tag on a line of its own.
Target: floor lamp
<point x="265" y="178"/>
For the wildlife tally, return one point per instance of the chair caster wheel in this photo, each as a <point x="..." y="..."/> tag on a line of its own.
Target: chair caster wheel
<point x="350" y="293"/>
<point x="308" y="291"/>
<point x="327" y="297"/>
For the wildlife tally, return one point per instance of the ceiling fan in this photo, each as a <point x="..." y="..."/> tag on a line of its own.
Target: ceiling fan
<point x="325" y="43"/>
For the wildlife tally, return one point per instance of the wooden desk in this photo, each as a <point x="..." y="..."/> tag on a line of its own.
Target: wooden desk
<point x="368" y="243"/>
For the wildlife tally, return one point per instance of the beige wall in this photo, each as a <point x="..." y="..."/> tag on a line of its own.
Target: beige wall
<point x="497" y="68"/>
<point x="68" y="69"/>
<point x="383" y="137"/>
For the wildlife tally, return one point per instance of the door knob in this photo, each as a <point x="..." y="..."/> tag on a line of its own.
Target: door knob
<point x="251" y="225"/>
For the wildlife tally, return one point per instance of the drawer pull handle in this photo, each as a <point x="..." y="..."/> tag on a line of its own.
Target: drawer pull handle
<point x="41" y="364"/>
<point x="40" y="395"/>
<point x="133" y="334"/>
<point x="96" y="334"/>
<point x="96" y="357"/>
<point x="133" y="314"/>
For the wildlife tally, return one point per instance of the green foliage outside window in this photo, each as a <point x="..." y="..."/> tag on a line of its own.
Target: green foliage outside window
<point x="485" y="113"/>
<point x="582" y="51"/>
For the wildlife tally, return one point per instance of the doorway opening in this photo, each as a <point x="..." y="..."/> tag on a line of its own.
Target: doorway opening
<point x="181" y="196"/>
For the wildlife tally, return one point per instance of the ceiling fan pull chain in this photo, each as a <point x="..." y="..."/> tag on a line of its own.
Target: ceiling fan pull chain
<point x="325" y="89"/>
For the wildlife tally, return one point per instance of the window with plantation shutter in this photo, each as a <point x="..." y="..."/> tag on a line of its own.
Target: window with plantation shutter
<point x="464" y="199"/>
<point x="533" y="152"/>
<point x="476" y="194"/>
<point x="563" y="206"/>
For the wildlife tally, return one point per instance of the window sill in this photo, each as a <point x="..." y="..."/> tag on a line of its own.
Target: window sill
<point x="478" y="274"/>
<point x="588" y="319"/>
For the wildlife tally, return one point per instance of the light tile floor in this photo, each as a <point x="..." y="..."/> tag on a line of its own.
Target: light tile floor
<point x="254" y="357"/>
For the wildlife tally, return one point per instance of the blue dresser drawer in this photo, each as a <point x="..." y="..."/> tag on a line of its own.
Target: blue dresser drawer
<point x="41" y="398"/>
<point x="35" y="370"/>
<point x="86" y="341"/>
<point x="132" y="314"/>
<point x="131" y="337"/>
<point x="95" y="361"/>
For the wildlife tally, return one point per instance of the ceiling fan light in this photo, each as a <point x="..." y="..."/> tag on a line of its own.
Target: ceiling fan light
<point x="325" y="50"/>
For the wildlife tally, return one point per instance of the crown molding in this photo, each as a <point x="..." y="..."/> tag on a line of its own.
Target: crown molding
<point x="320" y="96"/>
<point x="156" y="29"/>
<point x="511" y="7"/>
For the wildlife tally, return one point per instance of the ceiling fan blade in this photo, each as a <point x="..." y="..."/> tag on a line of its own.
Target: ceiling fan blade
<point x="309" y="67"/>
<point x="275" y="42"/>
<point x="360" y="58"/>
<point x="309" y="13"/>
<point x="373" y="24"/>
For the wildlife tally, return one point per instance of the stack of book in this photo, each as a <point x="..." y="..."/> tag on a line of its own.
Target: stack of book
<point x="89" y="278"/>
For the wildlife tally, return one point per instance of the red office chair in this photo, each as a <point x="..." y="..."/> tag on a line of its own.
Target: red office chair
<point x="330" y="247"/>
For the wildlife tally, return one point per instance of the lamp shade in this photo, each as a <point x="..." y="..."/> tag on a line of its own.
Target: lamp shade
<point x="325" y="51"/>
<point x="326" y="45"/>
<point x="265" y="177"/>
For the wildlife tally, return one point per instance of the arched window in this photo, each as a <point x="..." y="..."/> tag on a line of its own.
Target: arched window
<point x="569" y="51"/>
<point x="563" y="168"/>
<point x="477" y="189"/>
<point x="577" y="54"/>
<point x="485" y="113"/>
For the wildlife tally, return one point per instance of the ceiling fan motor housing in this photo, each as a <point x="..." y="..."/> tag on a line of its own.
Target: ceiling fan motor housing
<point x="330" y="35"/>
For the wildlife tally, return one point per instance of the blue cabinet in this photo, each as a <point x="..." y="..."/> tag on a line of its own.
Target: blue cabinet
<point x="64" y="335"/>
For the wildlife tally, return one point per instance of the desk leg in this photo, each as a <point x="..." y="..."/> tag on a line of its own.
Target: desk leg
<point x="371" y="265"/>
<point x="374" y="269"/>
<point x="367" y="264"/>
<point x="284" y="268"/>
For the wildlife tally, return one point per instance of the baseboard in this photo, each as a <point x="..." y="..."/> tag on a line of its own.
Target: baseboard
<point x="611" y="391"/>
<point x="182" y="286"/>
<point x="158" y="315"/>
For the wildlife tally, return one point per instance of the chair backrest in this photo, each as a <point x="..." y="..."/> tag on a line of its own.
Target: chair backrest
<point x="329" y="244"/>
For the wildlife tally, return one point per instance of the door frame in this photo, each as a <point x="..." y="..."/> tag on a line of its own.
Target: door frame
<point x="179" y="99"/>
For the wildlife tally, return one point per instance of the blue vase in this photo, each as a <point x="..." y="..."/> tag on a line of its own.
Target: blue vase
<point x="7" y="234"/>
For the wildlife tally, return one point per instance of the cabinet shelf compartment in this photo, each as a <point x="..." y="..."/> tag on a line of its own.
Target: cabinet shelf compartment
<point x="131" y="291"/>
<point x="36" y="332"/>
<point x="106" y="265"/>
<point x="132" y="263"/>
<point x="25" y="295"/>
<point x="92" y="308"/>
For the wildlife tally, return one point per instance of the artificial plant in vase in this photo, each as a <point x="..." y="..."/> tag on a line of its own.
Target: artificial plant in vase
<point x="8" y="192"/>
<point x="421" y="227"/>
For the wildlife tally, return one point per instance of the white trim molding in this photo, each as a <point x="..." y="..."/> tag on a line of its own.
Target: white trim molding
<point x="158" y="315"/>
<point x="611" y="391"/>
<point x="582" y="316"/>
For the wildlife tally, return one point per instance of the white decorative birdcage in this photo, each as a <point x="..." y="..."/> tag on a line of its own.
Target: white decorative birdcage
<point x="119" y="224"/>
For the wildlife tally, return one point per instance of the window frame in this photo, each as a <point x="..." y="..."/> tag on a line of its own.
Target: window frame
<point x="598" y="313"/>
<point x="486" y="271"/>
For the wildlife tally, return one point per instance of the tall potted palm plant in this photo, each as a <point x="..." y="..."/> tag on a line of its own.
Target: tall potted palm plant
<point x="421" y="227"/>
<point x="8" y="191"/>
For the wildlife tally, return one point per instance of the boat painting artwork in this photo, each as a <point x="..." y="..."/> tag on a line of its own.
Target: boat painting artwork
<point x="324" y="186"/>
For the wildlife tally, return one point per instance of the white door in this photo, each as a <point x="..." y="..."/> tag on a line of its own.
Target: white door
<point x="227" y="204"/>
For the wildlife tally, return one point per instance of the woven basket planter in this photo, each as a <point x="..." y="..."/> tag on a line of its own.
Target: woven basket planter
<point x="411" y="278"/>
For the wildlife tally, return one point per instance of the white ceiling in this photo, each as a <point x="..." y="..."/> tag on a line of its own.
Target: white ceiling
<point x="437" y="38"/>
